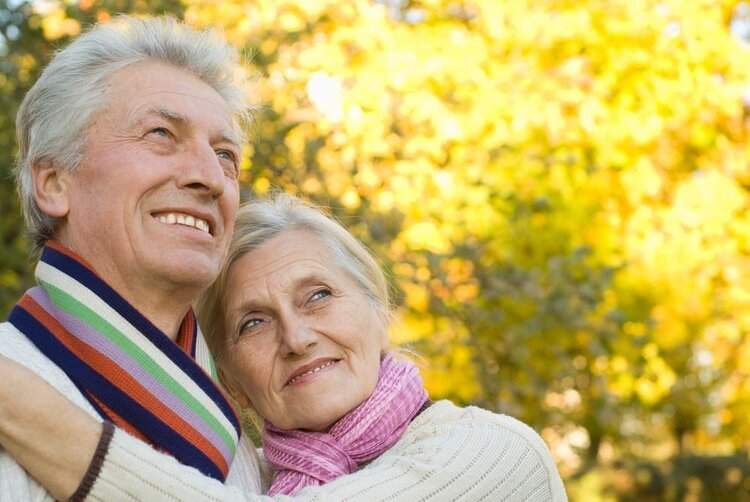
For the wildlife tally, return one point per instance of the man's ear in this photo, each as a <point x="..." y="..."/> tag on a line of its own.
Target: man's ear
<point x="51" y="188"/>
<point x="233" y="389"/>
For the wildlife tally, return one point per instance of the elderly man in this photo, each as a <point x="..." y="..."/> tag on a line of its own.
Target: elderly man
<point x="129" y="146"/>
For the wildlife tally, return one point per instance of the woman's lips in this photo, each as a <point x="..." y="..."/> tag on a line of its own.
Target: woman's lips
<point x="305" y="372"/>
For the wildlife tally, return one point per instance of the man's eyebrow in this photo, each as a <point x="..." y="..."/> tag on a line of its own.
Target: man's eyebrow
<point x="226" y="136"/>
<point x="231" y="136"/>
<point x="164" y="113"/>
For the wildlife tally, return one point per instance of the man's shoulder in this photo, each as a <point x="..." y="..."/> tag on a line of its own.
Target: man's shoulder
<point x="245" y="471"/>
<point x="16" y="346"/>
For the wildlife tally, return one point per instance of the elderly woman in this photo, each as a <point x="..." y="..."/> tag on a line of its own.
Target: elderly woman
<point x="298" y="323"/>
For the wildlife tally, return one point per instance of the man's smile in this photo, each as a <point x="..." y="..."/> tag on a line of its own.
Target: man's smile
<point x="176" y="218"/>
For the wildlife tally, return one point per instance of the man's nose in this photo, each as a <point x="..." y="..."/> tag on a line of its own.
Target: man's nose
<point x="203" y="171"/>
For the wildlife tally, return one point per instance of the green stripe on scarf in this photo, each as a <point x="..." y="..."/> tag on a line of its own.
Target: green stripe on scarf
<point x="76" y="309"/>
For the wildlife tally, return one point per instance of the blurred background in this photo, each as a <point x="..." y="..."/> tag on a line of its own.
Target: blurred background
<point x="559" y="190"/>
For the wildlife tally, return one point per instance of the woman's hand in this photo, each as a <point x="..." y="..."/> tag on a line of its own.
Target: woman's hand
<point x="50" y="437"/>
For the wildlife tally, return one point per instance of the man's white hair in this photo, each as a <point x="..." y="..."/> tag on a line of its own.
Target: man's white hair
<point x="55" y="114"/>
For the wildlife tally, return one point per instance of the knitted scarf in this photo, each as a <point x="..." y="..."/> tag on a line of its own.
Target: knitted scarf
<point x="128" y="369"/>
<point x="305" y="458"/>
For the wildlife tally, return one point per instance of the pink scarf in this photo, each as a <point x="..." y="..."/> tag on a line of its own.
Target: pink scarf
<point x="304" y="458"/>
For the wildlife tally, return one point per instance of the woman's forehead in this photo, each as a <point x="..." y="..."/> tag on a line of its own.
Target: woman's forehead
<point x="291" y="259"/>
<point x="290" y="249"/>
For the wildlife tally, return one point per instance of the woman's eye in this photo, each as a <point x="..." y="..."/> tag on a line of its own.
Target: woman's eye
<point x="320" y="294"/>
<point x="250" y="324"/>
<point x="160" y="131"/>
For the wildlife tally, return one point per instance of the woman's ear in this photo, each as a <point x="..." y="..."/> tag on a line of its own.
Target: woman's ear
<point x="385" y="341"/>
<point x="234" y="391"/>
<point x="51" y="188"/>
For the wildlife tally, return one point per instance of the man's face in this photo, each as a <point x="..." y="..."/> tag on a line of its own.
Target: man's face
<point x="152" y="204"/>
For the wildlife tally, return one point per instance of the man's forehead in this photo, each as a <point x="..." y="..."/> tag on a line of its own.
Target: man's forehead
<point x="153" y="88"/>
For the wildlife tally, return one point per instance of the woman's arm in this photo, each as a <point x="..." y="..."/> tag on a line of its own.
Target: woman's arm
<point x="43" y="430"/>
<point x="448" y="453"/>
<point x="56" y="441"/>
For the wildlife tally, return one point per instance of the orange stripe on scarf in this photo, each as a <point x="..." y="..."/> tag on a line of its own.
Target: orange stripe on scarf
<point x="123" y="381"/>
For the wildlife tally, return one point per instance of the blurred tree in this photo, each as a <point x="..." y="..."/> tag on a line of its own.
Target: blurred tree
<point x="21" y="47"/>
<point x="557" y="187"/>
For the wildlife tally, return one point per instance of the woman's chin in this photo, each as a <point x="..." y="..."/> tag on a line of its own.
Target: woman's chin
<point x="319" y="427"/>
<point x="319" y="404"/>
<point x="309" y="423"/>
<point x="311" y="417"/>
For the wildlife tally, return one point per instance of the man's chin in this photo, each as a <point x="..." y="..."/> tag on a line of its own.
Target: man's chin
<point x="190" y="270"/>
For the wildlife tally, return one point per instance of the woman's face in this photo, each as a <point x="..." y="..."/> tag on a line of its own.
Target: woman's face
<point x="303" y="340"/>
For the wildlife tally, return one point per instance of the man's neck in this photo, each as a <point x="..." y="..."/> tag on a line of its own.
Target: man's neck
<point x="165" y="308"/>
<point x="163" y="303"/>
<point x="167" y="319"/>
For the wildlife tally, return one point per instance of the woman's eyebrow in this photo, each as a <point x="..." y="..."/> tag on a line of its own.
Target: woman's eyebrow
<point x="245" y="305"/>
<point x="310" y="279"/>
<point x="250" y="301"/>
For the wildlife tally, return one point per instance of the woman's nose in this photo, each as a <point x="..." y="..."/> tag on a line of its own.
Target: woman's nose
<point x="298" y="338"/>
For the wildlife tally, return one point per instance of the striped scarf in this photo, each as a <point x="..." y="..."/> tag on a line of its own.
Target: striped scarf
<point x="304" y="458"/>
<point x="128" y="369"/>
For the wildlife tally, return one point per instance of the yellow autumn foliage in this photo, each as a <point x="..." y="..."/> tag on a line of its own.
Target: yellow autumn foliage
<point x="557" y="188"/>
<point x="550" y="167"/>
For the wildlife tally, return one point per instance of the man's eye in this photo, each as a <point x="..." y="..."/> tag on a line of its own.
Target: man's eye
<point x="226" y="155"/>
<point x="229" y="159"/>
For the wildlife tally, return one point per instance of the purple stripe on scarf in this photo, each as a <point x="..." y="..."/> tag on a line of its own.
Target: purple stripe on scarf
<point x="304" y="458"/>
<point x="106" y="347"/>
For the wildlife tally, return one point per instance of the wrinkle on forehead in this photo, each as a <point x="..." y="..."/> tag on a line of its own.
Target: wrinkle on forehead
<point x="262" y="277"/>
<point x="280" y="276"/>
<point x="149" y="76"/>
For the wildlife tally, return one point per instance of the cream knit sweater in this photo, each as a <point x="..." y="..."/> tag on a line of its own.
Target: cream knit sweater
<point x="448" y="453"/>
<point x="17" y="486"/>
